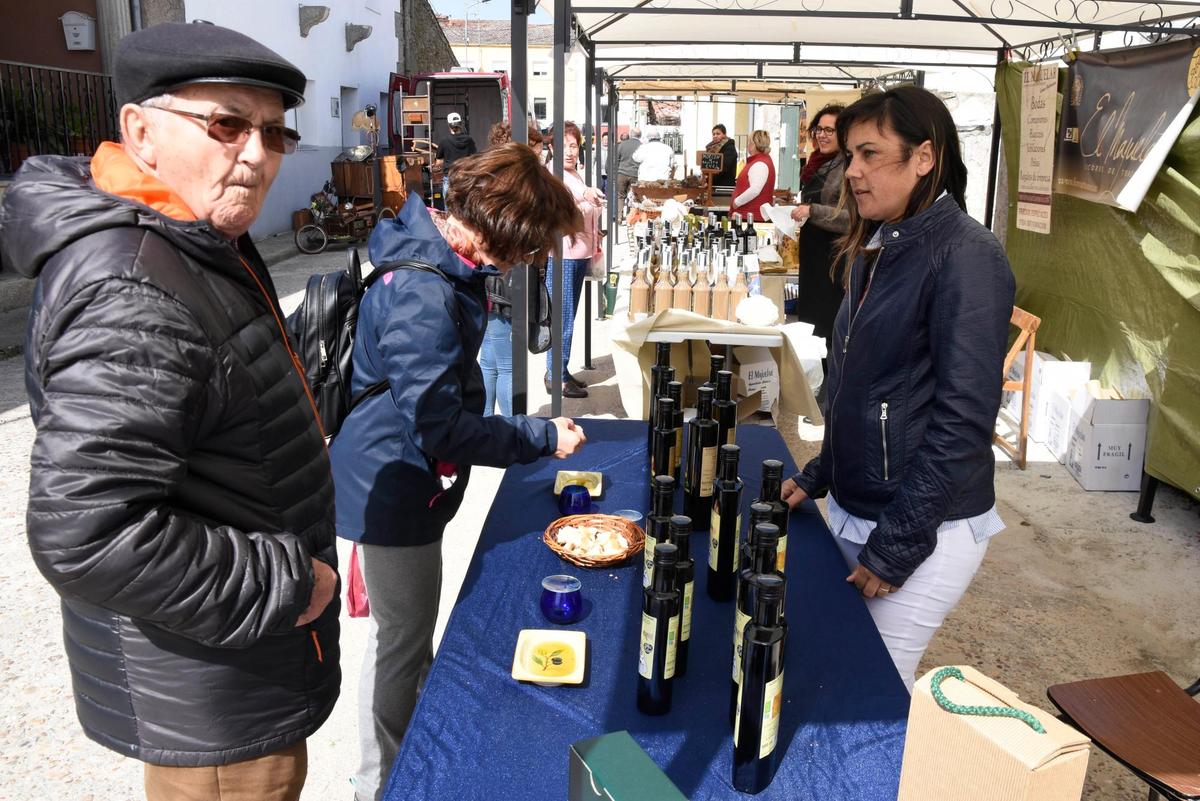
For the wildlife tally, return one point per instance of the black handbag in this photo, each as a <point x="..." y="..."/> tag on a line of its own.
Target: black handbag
<point x="500" y="291"/>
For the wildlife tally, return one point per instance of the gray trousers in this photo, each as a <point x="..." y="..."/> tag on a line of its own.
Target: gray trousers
<point x="403" y="586"/>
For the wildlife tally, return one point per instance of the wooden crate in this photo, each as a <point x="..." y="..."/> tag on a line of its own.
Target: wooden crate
<point x="301" y="218"/>
<point x="354" y="178"/>
<point x="416" y="103"/>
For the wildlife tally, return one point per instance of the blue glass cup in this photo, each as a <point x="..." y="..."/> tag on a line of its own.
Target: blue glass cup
<point x="562" y="601"/>
<point x="574" y="500"/>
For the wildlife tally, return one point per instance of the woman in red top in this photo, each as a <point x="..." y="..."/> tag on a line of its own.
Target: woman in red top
<point x="756" y="183"/>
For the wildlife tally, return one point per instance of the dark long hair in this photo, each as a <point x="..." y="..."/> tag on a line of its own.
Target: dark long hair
<point x="916" y="115"/>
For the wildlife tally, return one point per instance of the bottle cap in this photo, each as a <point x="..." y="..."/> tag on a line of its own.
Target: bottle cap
<point x="681" y="526"/>
<point x="666" y="408"/>
<point x="665" y="555"/>
<point x="729" y="453"/>
<point x="769" y="586"/>
<point x="664" y="485"/>
<point x="772" y="468"/>
<point x="724" y="379"/>
<point x="766" y="534"/>
<point x="760" y="512"/>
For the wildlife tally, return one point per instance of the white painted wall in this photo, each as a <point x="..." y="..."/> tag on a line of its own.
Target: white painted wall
<point x="323" y="58"/>
<point x="497" y="58"/>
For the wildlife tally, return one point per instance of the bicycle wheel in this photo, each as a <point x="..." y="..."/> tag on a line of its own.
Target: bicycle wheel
<point x="311" y="239"/>
<point x="387" y="213"/>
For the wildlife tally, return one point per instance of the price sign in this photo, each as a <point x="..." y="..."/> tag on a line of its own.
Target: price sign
<point x="710" y="162"/>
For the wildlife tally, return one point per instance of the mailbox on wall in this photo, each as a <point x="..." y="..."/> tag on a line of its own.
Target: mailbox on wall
<point x="79" y="29"/>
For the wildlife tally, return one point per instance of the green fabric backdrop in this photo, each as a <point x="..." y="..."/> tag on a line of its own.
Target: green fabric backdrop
<point x="1121" y="290"/>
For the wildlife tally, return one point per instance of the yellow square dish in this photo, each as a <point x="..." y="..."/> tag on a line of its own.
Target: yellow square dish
<point x="548" y="657"/>
<point x="593" y="482"/>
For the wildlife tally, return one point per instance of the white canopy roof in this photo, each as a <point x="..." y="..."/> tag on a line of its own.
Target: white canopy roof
<point x="984" y="25"/>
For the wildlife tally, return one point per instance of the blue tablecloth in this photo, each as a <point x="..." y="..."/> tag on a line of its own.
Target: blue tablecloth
<point x="478" y="734"/>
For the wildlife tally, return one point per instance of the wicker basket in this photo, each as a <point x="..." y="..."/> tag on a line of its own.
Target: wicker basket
<point x="631" y="531"/>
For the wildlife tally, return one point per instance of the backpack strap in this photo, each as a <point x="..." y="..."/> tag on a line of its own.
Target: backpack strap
<point x="404" y="264"/>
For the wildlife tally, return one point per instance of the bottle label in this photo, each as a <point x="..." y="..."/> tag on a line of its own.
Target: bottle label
<point x="740" y="619"/>
<point x="781" y="553"/>
<point x="714" y="536"/>
<point x="677" y="451"/>
<point x="672" y="646"/>
<point x="772" y="705"/>
<point x="685" y="632"/>
<point x="646" y="651"/>
<point x="731" y="435"/>
<point x="708" y="471"/>
<point x="648" y="561"/>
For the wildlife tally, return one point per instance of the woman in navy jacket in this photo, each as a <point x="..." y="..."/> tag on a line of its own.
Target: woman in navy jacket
<point x="402" y="458"/>
<point x="915" y="372"/>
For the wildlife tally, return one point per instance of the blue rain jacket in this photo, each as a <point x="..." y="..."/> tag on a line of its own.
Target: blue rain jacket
<point x="402" y="458"/>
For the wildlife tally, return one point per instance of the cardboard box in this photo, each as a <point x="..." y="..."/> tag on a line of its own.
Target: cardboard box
<point x="954" y="757"/>
<point x="1108" y="440"/>
<point x="1050" y="375"/>
<point x="612" y="767"/>
<point x="757" y="371"/>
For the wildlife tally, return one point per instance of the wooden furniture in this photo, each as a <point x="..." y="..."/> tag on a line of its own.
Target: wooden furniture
<point x="1027" y="325"/>
<point x="416" y="141"/>
<point x="1144" y="721"/>
<point x="353" y="179"/>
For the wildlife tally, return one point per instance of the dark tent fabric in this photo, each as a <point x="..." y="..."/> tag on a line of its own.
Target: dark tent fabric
<point x="1121" y="290"/>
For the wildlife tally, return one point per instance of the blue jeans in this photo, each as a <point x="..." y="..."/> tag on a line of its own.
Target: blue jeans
<point x="495" y="359"/>
<point x="573" y="274"/>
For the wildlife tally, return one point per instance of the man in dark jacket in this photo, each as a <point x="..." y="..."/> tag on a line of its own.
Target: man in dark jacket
<point x="180" y="496"/>
<point x="458" y="144"/>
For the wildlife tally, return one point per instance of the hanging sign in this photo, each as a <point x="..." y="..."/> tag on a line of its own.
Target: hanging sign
<point x="1035" y="181"/>
<point x="1122" y="113"/>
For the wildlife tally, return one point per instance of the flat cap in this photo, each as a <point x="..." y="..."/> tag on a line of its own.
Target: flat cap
<point x="165" y="57"/>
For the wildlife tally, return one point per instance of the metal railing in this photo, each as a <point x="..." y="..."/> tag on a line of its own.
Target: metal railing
<point x="47" y="111"/>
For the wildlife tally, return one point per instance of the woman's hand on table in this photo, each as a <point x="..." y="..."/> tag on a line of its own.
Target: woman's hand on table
<point x="801" y="212"/>
<point x="869" y="584"/>
<point x="570" y="437"/>
<point x="791" y="494"/>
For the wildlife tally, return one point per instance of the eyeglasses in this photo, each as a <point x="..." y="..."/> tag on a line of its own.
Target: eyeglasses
<point x="230" y="129"/>
<point x="821" y="130"/>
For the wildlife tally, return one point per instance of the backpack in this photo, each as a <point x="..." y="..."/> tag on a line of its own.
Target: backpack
<point x="323" y="327"/>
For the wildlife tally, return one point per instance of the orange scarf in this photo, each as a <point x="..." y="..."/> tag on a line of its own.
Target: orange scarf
<point x="117" y="174"/>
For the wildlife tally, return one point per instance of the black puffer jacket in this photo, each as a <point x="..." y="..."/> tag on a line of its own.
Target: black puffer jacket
<point x="914" y="385"/>
<point x="180" y="486"/>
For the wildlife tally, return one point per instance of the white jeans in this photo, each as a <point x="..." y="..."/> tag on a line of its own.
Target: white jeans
<point x="908" y="618"/>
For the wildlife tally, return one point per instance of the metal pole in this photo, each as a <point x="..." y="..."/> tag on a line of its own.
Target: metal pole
<point x="562" y="35"/>
<point x="597" y="93"/>
<point x="521" y="283"/>
<point x="994" y="161"/>
<point x="591" y="145"/>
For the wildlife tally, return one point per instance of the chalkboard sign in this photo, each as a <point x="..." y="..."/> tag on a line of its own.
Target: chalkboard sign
<point x="710" y="162"/>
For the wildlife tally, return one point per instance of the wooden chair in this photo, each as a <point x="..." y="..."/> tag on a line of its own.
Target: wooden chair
<point x="1027" y="325"/>
<point x="1144" y="721"/>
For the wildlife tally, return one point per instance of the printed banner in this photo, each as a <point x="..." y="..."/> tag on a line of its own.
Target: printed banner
<point x="1035" y="181"/>
<point x="1122" y="112"/>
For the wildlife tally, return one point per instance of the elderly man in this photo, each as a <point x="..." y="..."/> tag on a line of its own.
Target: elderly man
<point x="627" y="168"/>
<point x="655" y="159"/>
<point x="180" y="497"/>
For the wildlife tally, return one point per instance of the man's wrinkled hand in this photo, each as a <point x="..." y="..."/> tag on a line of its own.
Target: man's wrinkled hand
<point x="325" y="580"/>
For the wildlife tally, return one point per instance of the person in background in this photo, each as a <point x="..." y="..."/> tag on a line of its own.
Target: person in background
<point x="499" y="134"/>
<point x="403" y="457"/>
<point x="627" y="168"/>
<point x="577" y="252"/>
<point x="907" y="455"/>
<point x="457" y="145"/>
<point x="655" y="159"/>
<point x="721" y="143"/>
<point x="822" y="278"/>
<point x="756" y="185"/>
<point x="183" y="514"/>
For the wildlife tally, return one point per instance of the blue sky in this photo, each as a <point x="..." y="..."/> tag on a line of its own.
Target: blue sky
<point x="493" y="9"/>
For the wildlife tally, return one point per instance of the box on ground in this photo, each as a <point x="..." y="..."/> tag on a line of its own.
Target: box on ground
<point x="955" y="757"/>
<point x="612" y="767"/>
<point x="1107" y="439"/>
<point x="1050" y="375"/>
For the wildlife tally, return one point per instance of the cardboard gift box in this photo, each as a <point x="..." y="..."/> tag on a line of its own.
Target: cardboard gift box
<point x="960" y="757"/>
<point x="612" y="767"/>
<point x="1051" y="376"/>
